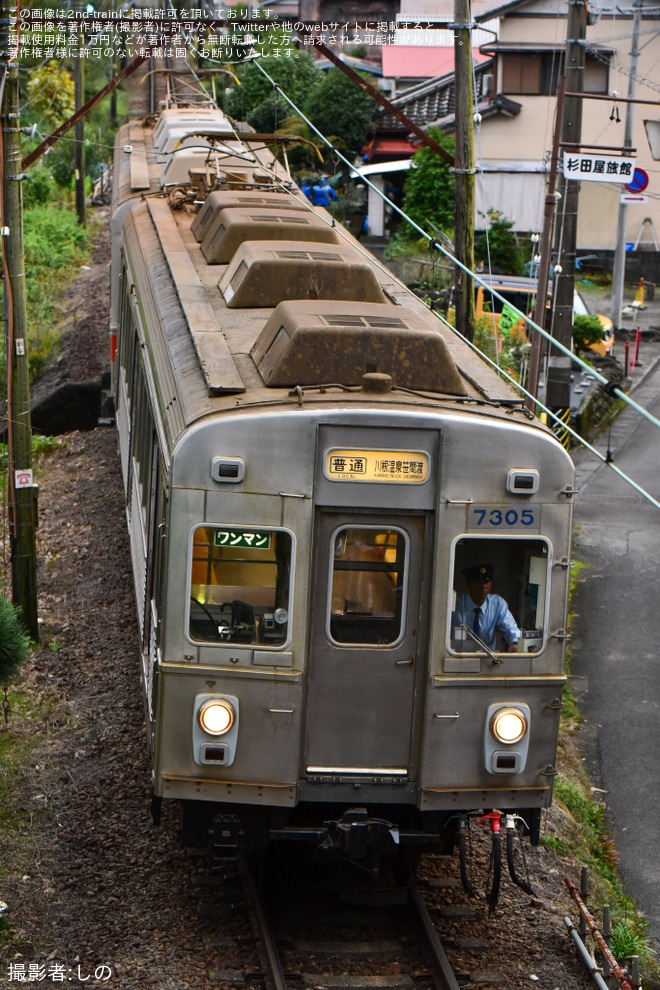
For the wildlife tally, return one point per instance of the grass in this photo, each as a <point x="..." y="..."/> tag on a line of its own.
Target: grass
<point x="586" y="836"/>
<point x="56" y="245"/>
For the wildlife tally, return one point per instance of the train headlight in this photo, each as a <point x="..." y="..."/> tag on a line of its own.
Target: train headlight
<point x="506" y="738"/>
<point x="508" y="725"/>
<point x="215" y="729"/>
<point x="217" y="716"/>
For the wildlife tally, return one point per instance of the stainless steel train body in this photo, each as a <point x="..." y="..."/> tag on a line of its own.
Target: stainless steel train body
<point x="311" y="460"/>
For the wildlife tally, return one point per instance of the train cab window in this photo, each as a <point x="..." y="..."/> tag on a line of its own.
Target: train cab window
<point x="367" y="578"/>
<point x="507" y="581"/>
<point x="240" y="585"/>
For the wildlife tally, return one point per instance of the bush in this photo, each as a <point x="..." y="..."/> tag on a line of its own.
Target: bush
<point x="39" y="188"/>
<point x="13" y="641"/>
<point x="498" y="247"/>
<point x="587" y="329"/>
<point x="428" y="191"/>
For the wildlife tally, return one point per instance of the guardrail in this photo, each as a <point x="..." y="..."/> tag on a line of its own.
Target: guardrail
<point x="609" y="975"/>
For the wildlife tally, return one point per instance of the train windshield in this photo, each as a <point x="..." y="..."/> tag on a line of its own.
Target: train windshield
<point x="366" y="585"/>
<point x="240" y="585"/>
<point x="499" y="595"/>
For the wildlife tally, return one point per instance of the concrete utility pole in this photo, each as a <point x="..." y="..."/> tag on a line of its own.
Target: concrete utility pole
<point x="558" y="394"/>
<point x="22" y="501"/>
<point x="619" y="268"/>
<point x="464" y="169"/>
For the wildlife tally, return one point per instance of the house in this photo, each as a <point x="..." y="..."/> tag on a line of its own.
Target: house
<point x="515" y="94"/>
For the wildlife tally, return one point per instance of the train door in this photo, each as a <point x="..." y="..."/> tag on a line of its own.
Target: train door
<point x="365" y="642"/>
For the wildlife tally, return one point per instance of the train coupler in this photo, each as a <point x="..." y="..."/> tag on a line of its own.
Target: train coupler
<point x="356" y="835"/>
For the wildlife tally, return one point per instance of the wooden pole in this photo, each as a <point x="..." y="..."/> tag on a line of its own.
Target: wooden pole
<point x="22" y="492"/>
<point x="79" y="132"/>
<point x="558" y="395"/>
<point x="546" y="251"/>
<point x="464" y="168"/>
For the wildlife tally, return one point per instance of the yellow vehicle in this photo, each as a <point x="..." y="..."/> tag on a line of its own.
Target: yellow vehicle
<point x="520" y="293"/>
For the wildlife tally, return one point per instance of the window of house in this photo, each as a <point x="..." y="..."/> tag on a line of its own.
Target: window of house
<point x="537" y="73"/>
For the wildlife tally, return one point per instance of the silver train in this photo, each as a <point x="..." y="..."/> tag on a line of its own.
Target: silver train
<point x="311" y="461"/>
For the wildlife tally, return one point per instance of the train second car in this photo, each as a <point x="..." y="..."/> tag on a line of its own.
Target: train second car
<point x="314" y="467"/>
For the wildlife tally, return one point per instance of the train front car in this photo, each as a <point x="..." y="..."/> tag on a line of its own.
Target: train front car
<point x="315" y="470"/>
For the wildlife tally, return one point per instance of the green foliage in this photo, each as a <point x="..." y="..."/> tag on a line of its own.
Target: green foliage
<point x="497" y="247"/>
<point x="630" y="938"/>
<point x="296" y="75"/>
<point x="51" y="95"/>
<point x="269" y="115"/>
<point x="46" y="445"/>
<point x="55" y="247"/>
<point x="484" y="337"/>
<point x="39" y="187"/>
<point x="342" y="111"/>
<point x="428" y="192"/>
<point x="14" y="641"/>
<point x="53" y="238"/>
<point x="554" y="843"/>
<point x="587" y="329"/>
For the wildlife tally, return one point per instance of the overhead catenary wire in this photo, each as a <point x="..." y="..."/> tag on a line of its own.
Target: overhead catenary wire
<point x="434" y="242"/>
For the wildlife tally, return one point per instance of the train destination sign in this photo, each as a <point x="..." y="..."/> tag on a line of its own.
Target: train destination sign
<point x="247" y="539"/>
<point x="400" y="466"/>
<point x="598" y="168"/>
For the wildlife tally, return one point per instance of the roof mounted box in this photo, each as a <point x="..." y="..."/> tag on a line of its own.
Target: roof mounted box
<point x="316" y="342"/>
<point x="239" y="225"/>
<point x="265" y="273"/>
<point x="222" y="199"/>
<point x="177" y="123"/>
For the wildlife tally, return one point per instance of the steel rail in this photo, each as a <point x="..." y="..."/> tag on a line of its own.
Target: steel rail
<point x="266" y="946"/>
<point x="444" y="974"/>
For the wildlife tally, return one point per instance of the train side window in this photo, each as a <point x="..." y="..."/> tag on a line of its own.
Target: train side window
<point x="519" y="569"/>
<point x="367" y="579"/>
<point x="240" y="582"/>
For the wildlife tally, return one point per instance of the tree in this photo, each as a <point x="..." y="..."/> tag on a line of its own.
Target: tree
<point x="498" y="247"/>
<point x="342" y="111"/>
<point x="296" y="76"/>
<point x="587" y="330"/>
<point x="51" y="97"/>
<point x="428" y="191"/>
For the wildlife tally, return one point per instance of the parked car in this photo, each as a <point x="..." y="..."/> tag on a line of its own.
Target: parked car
<point x="521" y="293"/>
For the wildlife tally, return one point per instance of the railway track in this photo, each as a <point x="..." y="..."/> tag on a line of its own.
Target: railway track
<point x="319" y="939"/>
<point x="302" y="928"/>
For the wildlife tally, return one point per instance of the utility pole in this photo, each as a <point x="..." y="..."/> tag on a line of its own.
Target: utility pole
<point x="550" y="209"/>
<point x="464" y="169"/>
<point x="619" y="267"/>
<point x="558" y="395"/>
<point x="79" y="134"/>
<point x="22" y="501"/>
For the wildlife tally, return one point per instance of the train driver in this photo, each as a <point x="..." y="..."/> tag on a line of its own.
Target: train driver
<point x="483" y="613"/>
